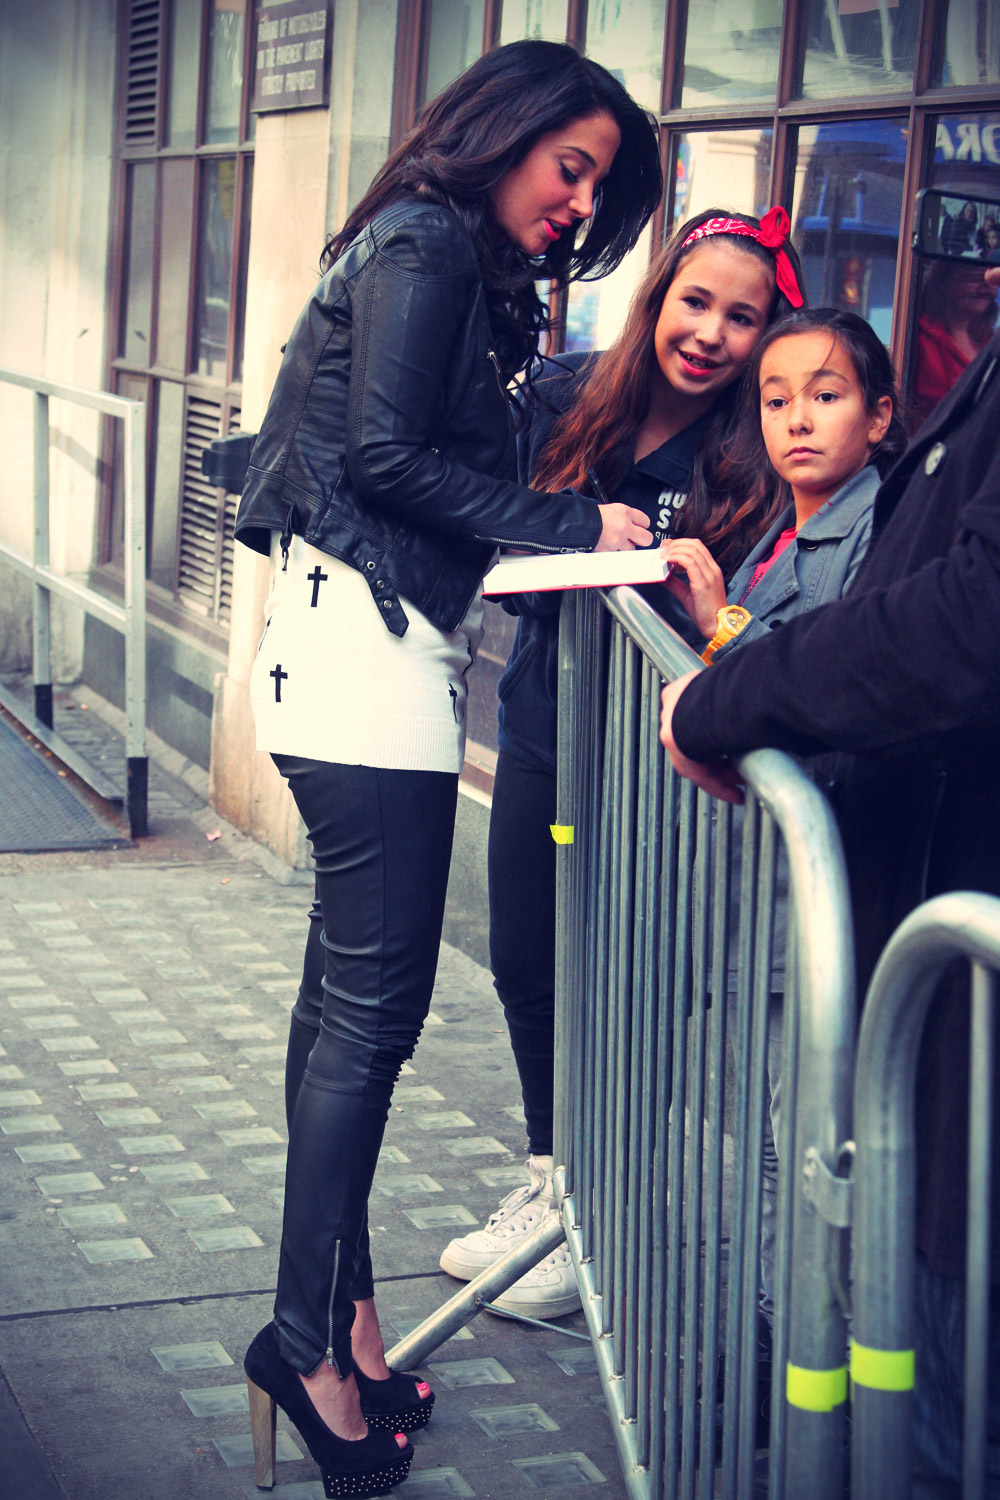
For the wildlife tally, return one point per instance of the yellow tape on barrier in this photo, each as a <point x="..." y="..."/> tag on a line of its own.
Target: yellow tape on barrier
<point x="562" y="832"/>
<point x="882" y="1369"/>
<point x="815" y="1390"/>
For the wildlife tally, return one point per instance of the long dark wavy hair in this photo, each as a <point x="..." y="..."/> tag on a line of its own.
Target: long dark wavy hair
<point x="744" y="463"/>
<point x="475" y="132"/>
<point x="598" y="432"/>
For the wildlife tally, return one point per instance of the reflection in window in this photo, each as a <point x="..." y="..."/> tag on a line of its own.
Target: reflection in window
<point x="454" y="41"/>
<point x="168" y="447"/>
<point x="596" y="310"/>
<point x="225" y="54"/>
<point x="846" y="214"/>
<point x="859" y="47"/>
<point x="241" y="278"/>
<point x="958" y="313"/>
<point x="182" y="100"/>
<point x="544" y="19"/>
<point x="731" y="51"/>
<point x="626" y="36"/>
<point x="215" y="262"/>
<point x="967" y="154"/>
<point x="956" y="310"/>
<point x="971" y="51"/>
<point x="727" y="169"/>
<point x="137" y="294"/>
<point x="176" y="214"/>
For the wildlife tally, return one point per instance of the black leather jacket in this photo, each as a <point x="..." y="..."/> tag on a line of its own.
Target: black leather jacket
<point x="388" y="440"/>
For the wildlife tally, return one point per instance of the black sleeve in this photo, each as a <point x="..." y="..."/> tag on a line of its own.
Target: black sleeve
<point x="407" y="318"/>
<point x="890" y="665"/>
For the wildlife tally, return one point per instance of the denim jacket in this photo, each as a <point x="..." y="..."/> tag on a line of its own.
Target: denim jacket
<point x="388" y="440"/>
<point x="816" y="567"/>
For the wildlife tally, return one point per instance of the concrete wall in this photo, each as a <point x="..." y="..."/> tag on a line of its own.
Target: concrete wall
<point x="57" y="62"/>
<point x="310" y="166"/>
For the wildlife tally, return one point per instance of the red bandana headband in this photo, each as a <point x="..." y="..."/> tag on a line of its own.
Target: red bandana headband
<point x="772" y="234"/>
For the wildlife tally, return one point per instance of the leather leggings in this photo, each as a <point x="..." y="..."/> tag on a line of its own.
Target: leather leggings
<point x="522" y="876"/>
<point x="381" y="844"/>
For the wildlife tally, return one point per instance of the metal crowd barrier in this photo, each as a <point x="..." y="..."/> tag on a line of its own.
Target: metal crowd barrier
<point x="670" y="934"/>
<point x="129" y="617"/>
<point x="960" y="926"/>
<point x="666" y="942"/>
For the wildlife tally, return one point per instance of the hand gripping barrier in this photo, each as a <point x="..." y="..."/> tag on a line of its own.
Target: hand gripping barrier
<point x="966" y="926"/>
<point x="671" y="940"/>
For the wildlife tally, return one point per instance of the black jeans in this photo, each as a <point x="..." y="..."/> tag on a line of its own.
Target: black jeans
<point x="381" y="843"/>
<point x="522" y="881"/>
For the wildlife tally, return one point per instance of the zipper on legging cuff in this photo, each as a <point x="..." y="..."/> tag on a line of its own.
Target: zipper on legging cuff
<point x="329" y="1307"/>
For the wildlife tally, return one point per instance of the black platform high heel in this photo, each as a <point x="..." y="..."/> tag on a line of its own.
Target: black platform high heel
<point x="393" y="1405"/>
<point x="351" y="1470"/>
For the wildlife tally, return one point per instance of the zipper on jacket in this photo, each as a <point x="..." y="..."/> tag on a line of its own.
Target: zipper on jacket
<point x="506" y="541"/>
<point x="523" y="546"/>
<point x="285" y="540"/>
<point x="329" y="1306"/>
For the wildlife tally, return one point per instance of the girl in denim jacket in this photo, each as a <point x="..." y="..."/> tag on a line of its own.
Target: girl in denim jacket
<point x="819" y="426"/>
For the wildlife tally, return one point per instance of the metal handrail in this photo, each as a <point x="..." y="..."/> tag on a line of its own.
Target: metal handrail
<point x="961" y="925"/>
<point x="129" y="618"/>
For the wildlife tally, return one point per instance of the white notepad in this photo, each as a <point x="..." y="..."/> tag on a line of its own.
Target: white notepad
<point x="575" y="570"/>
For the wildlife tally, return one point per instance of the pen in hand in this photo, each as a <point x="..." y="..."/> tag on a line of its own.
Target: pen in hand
<point x="597" y="488"/>
<point x="623" y="527"/>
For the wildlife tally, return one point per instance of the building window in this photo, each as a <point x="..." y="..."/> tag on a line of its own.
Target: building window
<point x="185" y="185"/>
<point x="839" y="109"/>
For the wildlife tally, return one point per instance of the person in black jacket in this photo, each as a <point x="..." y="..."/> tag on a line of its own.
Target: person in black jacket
<point x="903" y="678"/>
<point x="644" y="422"/>
<point x="381" y="483"/>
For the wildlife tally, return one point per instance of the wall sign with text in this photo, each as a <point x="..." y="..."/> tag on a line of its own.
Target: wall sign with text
<point x="291" y="54"/>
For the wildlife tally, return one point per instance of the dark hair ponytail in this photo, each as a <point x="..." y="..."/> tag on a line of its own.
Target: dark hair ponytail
<point x="479" y="128"/>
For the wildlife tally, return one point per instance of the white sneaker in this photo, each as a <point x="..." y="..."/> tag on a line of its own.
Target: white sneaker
<point x="548" y="1290"/>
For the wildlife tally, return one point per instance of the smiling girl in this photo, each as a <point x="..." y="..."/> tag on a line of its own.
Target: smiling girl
<point x="643" y="423"/>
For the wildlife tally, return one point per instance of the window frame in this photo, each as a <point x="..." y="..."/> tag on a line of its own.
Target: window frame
<point x="166" y="604"/>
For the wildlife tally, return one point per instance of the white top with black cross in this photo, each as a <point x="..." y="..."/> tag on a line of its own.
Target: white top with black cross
<point x="330" y="682"/>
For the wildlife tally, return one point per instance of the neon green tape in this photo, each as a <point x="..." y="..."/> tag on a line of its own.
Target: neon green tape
<point x="882" y="1369"/>
<point x="815" y="1390"/>
<point x="562" y="832"/>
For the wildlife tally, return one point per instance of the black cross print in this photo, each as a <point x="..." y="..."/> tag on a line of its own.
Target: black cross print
<point x="278" y="676"/>
<point x="316" y="577"/>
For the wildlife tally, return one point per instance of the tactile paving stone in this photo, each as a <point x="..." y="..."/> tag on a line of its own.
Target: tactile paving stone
<point x="174" y="1188"/>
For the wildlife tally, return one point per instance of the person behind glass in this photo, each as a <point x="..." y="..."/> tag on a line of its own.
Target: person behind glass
<point x="958" y="232"/>
<point x="381" y="482"/>
<point x="991" y="246"/>
<point x="982" y="233"/>
<point x="819" y="427"/>
<point x="642" y="422"/>
<point x="957" y="314"/>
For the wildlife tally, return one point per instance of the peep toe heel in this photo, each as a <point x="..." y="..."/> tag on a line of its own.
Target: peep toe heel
<point x="393" y="1405"/>
<point x="350" y="1470"/>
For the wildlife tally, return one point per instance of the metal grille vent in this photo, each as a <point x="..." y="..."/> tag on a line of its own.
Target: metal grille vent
<point x="143" y="71"/>
<point x="230" y="507"/>
<point x="201" y="529"/>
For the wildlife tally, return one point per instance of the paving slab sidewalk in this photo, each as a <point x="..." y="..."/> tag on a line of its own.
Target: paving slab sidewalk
<point x="143" y="1007"/>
